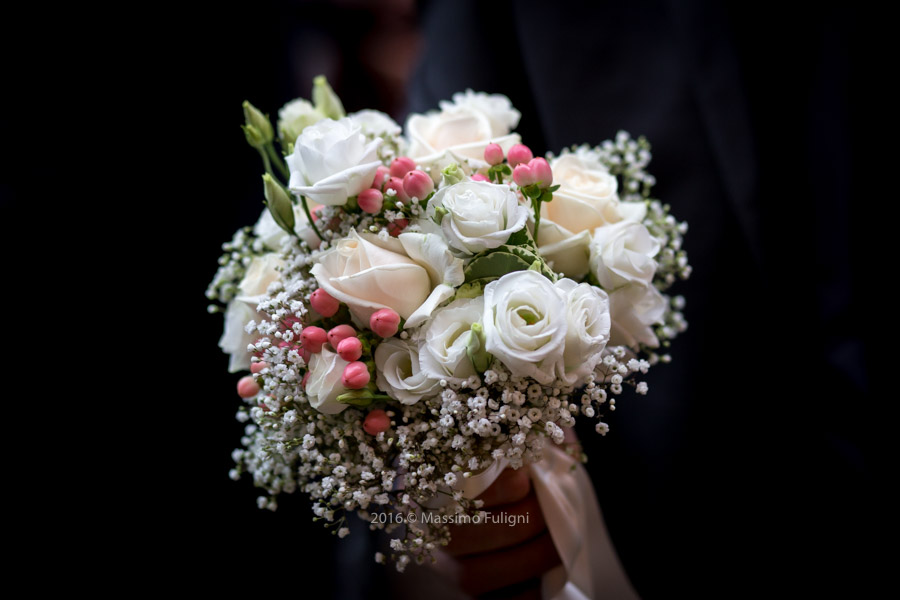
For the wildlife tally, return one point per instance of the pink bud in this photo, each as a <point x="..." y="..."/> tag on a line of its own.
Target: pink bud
<point x="324" y="303"/>
<point x="493" y="154"/>
<point x="283" y="344"/>
<point x="257" y="367"/>
<point x="480" y="177"/>
<point x="385" y="322"/>
<point x="520" y="153"/>
<point x="401" y="166"/>
<point x="397" y="227"/>
<point x="289" y="322"/>
<point x="305" y="379"/>
<point x="541" y="171"/>
<point x="370" y="200"/>
<point x="304" y="354"/>
<point x="247" y="387"/>
<point x="356" y="376"/>
<point x="336" y="334"/>
<point x="396" y="184"/>
<point x="376" y="422"/>
<point x="417" y="184"/>
<point x="382" y="174"/>
<point x="350" y="349"/>
<point x="523" y="175"/>
<point x="313" y="338"/>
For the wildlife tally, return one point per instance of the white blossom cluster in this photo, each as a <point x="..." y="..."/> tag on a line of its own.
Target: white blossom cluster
<point x="484" y="310"/>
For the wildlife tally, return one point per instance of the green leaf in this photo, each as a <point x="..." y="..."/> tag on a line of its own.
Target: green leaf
<point x="494" y="265"/>
<point x="519" y="238"/>
<point x="473" y="289"/>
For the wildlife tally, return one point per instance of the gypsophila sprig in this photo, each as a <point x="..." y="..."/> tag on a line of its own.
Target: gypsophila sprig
<point x="457" y="306"/>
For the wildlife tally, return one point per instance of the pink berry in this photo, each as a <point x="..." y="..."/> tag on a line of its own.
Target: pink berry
<point x="257" y="367"/>
<point x="247" y="387"/>
<point x="418" y="184"/>
<point x="493" y="154"/>
<point x="385" y="322"/>
<point x="376" y="422"/>
<point x="401" y="166"/>
<point x="304" y="354"/>
<point x="397" y="227"/>
<point x="313" y="338"/>
<point x="382" y="174"/>
<point x="350" y="349"/>
<point x="480" y="177"/>
<point x="520" y="153"/>
<point x="336" y="334"/>
<point x="356" y="376"/>
<point x="396" y="184"/>
<point x="305" y="379"/>
<point x="370" y="200"/>
<point x="523" y="175"/>
<point x="541" y="172"/>
<point x="324" y="303"/>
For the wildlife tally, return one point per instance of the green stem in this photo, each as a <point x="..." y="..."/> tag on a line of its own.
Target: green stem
<point x="309" y="216"/>
<point x="537" y="219"/>
<point x="270" y="149"/>
<point x="266" y="163"/>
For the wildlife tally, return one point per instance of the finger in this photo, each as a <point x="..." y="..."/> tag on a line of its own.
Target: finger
<point x="510" y="486"/>
<point x="483" y="573"/>
<point x="503" y="526"/>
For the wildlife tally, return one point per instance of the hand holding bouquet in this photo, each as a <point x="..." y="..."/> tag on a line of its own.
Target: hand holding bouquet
<point x="420" y="311"/>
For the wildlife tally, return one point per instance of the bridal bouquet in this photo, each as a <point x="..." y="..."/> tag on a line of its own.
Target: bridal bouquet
<point x="419" y="309"/>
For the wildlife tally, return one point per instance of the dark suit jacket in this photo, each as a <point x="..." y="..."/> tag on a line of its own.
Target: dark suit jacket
<point x="746" y="459"/>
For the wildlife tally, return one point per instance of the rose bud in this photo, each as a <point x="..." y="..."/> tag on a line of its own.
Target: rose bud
<point x="417" y="184"/>
<point x="480" y="177"/>
<point x="376" y="422"/>
<point x="313" y="338"/>
<point x="336" y="334"/>
<point x="541" y="172"/>
<point x="324" y="303"/>
<point x="520" y="153"/>
<point x="356" y="376"/>
<point x="523" y="175"/>
<point x="350" y="349"/>
<point x="370" y="200"/>
<point x="385" y="322"/>
<point x="247" y="387"/>
<point x="401" y="166"/>
<point x="257" y="367"/>
<point x="397" y="227"/>
<point x="493" y="154"/>
<point x="396" y="184"/>
<point x="382" y="174"/>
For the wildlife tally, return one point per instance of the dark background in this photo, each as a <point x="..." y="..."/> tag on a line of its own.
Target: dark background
<point x="787" y="487"/>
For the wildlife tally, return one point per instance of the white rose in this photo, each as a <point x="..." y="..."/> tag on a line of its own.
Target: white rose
<point x="324" y="384"/>
<point x="568" y="253"/>
<point x="525" y="324"/>
<point x="461" y="131"/>
<point x="332" y="161"/>
<point x="623" y="253"/>
<point x="587" y="315"/>
<point x="444" y="340"/>
<point x="587" y="196"/>
<point x="499" y="111"/>
<point x="263" y="270"/>
<point x="267" y="230"/>
<point x="294" y="117"/>
<point x="480" y="215"/>
<point x="375" y="123"/>
<point x="368" y="278"/>
<point x="235" y="339"/>
<point x="398" y="372"/>
<point x="444" y="270"/>
<point x="634" y="309"/>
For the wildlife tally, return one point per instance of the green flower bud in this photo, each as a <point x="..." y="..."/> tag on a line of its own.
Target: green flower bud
<point x="326" y="100"/>
<point x="279" y="204"/>
<point x="452" y="174"/>
<point x="256" y="126"/>
<point x="480" y="357"/>
<point x="294" y="117"/>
